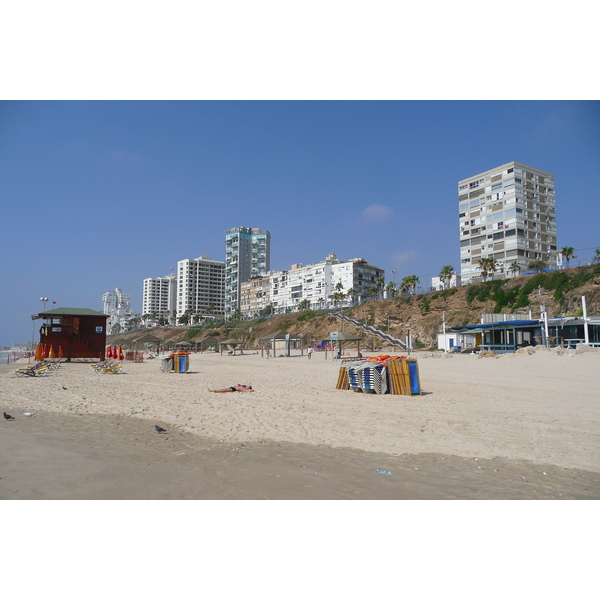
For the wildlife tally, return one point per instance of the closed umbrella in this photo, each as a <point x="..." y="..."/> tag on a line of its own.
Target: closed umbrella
<point x="39" y="352"/>
<point x="121" y="357"/>
<point x="60" y="352"/>
<point x="51" y="352"/>
<point x="46" y="350"/>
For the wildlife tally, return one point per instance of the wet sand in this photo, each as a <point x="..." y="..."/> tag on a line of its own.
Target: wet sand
<point x="52" y="456"/>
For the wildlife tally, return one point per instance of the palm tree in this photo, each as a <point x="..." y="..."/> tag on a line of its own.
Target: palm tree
<point x="487" y="265"/>
<point x="597" y="255"/>
<point x="304" y="304"/>
<point x="373" y="291"/>
<point x="391" y="288"/>
<point x="514" y="267"/>
<point x="568" y="253"/>
<point x="350" y="294"/>
<point x="409" y="284"/>
<point x="446" y="275"/>
<point x="380" y="282"/>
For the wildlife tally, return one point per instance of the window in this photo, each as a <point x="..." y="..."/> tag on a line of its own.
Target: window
<point x="497" y="186"/>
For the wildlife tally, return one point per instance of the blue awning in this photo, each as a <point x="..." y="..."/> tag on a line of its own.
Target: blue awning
<point x="497" y="325"/>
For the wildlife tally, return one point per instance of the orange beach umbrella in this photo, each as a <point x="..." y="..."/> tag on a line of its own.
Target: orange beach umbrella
<point x="51" y="352"/>
<point x="60" y="353"/>
<point x="39" y="352"/>
<point x="46" y="350"/>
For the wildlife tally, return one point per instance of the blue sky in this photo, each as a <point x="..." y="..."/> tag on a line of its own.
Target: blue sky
<point x="99" y="195"/>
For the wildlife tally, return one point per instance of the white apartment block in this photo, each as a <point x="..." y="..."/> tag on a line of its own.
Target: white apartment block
<point x="507" y="213"/>
<point x="247" y="254"/>
<point x="160" y="297"/>
<point x="118" y="305"/>
<point x="200" y="287"/>
<point x="316" y="283"/>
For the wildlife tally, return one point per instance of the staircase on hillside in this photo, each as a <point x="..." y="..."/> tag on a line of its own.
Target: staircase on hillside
<point x="372" y="330"/>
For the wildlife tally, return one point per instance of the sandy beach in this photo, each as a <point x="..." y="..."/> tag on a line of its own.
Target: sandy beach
<point x="518" y="427"/>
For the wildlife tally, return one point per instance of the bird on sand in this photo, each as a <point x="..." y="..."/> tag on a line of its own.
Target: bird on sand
<point x="8" y="417"/>
<point x="160" y="429"/>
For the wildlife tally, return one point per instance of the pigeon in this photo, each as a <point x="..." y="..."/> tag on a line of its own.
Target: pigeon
<point x="160" y="429"/>
<point x="8" y="417"/>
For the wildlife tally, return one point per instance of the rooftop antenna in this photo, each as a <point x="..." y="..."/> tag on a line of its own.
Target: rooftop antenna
<point x="206" y="254"/>
<point x="172" y="270"/>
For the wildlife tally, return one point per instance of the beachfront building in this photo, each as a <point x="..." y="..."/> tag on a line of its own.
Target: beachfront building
<point x="247" y="254"/>
<point x="438" y="283"/>
<point x="507" y="213"/>
<point x="254" y="295"/>
<point x="117" y="305"/>
<point x="160" y="298"/>
<point x="329" y="283"/>
<point x="200" y="288"/>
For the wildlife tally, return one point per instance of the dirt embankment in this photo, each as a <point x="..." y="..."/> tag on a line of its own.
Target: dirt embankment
<point x="421" y="315"/>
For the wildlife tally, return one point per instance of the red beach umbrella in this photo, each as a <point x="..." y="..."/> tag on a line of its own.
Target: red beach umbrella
<point x="46" y="350"/>
<point x="121" y="356"/>
<point x="60" y="352"/>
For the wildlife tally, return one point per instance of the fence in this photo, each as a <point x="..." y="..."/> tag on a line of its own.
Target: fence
<point x="136" y="356"/>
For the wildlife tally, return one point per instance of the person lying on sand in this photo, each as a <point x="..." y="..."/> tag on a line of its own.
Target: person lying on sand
<point x="234" y="388"/>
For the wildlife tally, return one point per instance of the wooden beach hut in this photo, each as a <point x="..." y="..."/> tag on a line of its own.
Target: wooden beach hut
<point x="281" y="340"/>
<point x="340" y="337"/>
<point x="149" y="338"/>
<point x="78" y="332"/>
<point x="232" y="343"/>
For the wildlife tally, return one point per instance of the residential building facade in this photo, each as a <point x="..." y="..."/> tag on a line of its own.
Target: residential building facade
<point x="316" y="286"/>
<point x="200" y="287"/>
<point x="247" y="254"/>
<point x="160" y="298"/>
<point x="507" y="213"/>
<point x="117" y="305"/>
<point x="254" y="295"/>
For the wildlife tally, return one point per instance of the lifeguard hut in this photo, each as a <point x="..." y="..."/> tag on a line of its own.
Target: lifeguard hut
<point x="77" y="332"/>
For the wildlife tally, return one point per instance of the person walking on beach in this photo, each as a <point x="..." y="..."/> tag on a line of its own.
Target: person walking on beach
<point x="309" y="352"/>
<point x="234" y="388"/>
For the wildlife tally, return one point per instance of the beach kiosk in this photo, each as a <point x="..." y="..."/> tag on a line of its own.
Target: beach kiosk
<point x="340" y="337"/>
<point x="74" y="332"/>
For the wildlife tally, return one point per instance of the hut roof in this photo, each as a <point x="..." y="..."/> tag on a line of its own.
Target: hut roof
<point x="70" y="311"/>
<point x="148" y="337"/>
<point x="231" y="341"/>
<point x="281" y="335"/>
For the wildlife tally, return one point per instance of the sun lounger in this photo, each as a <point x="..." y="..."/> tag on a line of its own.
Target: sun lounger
<point x="107" y="366"/>
<point x="37" y="370"/>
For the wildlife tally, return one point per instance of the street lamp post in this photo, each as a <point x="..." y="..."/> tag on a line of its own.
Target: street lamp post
<point x="44" y="300"/>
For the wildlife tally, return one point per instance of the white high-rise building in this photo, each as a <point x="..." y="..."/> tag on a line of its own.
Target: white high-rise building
<point x="247" y="254"/>
<point x="118" y="305"/>
<point x="318" y="284"/>
<point x="160" y="298"/>
<point x="200" y="287"/>
<point x="507" y="213"/>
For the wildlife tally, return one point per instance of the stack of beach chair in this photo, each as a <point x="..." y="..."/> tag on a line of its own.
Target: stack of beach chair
<point x="394" y="375"/>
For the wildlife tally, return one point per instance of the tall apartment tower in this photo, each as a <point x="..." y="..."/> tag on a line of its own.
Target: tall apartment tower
<point x="200" y="287"/>
<point x="247" y="254"/>
<point x="117" y="304"/>
<point x="507" y="213"/>
<point x="160" y="297"/>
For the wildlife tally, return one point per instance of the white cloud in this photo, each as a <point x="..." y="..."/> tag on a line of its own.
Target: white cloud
<point x="376" y="212"/>
<point x="399" y="258"/>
